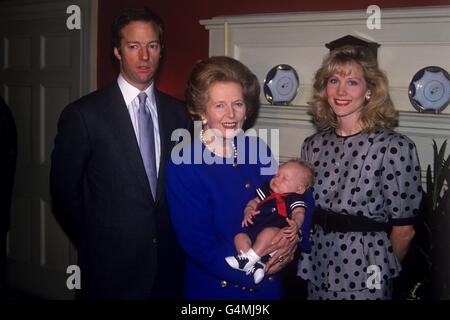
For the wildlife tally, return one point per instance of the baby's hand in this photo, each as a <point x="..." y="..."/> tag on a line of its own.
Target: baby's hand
<point x="291" y="230"/>
<point x="247" y="220"/>
<point x="248" y="216"/>
<point x="249" y="212"/>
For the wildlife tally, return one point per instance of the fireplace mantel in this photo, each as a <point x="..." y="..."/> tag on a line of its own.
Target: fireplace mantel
<point x="410" y="40"/>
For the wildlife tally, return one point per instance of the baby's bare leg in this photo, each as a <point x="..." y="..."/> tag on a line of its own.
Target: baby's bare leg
<point x="242" y="242"/>
<point x="263" y="240"/>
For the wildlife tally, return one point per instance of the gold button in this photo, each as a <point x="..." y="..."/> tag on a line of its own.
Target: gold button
<point x="270" y="278"/>
<point x="251" y="290"/>
<point x="223" y="284"/>
<point x="247" y="185"/>
<point x="235" y="164"/>
<point x="243" y="288"/>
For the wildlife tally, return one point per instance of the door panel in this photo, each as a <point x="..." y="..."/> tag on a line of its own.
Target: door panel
<point x="45" y="66"/>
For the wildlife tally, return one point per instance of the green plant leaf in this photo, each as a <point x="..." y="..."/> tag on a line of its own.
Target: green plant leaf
<point x="435" y="159"/>
<point x="429" y="195"/>
<point x="429" y="181"/>
<point x="441" y="167"/>
<point x="436" y="206"/>
<point x="444" y="203"/>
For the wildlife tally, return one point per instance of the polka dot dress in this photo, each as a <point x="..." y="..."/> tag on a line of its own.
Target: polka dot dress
<point x="384" y="293"/>
<point x="374" y="175"/>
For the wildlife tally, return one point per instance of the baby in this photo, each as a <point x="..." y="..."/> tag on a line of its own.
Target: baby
<point x="281" y="203"/>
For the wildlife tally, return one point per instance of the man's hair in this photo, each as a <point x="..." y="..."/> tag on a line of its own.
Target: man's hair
<point x="132" y="14"/>
<point x="307" y="178"/>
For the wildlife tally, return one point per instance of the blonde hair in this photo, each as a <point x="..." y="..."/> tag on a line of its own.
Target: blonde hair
<point x="377" y="112"/>
<point x="308" y="178"/>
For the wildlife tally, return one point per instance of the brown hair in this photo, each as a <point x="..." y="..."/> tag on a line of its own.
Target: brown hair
<point x="308" y="178"/>
<point x="377" y="112"/>
<point x="131" y="14"/>
<point x="220" y="69"/>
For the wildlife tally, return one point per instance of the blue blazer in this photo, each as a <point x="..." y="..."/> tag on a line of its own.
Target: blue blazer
<point x="206" y="203"/>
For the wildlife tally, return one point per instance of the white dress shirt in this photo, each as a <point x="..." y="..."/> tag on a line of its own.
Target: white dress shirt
<point x="130" y="95"/>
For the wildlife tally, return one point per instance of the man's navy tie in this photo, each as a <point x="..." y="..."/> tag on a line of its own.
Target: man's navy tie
<point x="147" y="142"/>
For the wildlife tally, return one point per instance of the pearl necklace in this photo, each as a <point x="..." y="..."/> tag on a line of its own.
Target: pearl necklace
<point x="206" y="143"/>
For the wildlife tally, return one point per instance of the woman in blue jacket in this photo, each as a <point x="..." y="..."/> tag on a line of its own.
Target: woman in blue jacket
<point x="210" y="182"/>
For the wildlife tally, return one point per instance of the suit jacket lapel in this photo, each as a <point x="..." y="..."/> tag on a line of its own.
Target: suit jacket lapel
<point x="126" y="137"/>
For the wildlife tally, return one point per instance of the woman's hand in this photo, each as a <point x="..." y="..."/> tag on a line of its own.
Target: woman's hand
<point x="401" y="237"/>
<point x="285" y="251"/>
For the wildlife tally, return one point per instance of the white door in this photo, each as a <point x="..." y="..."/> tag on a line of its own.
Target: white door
<point x="44" y="66"/>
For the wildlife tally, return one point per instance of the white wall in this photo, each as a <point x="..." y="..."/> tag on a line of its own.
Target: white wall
<point x="410" y="39"/>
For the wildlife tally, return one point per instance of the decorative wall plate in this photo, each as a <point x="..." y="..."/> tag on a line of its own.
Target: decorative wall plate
<point x="281" y="84"/>
<point x="429" y="90"/>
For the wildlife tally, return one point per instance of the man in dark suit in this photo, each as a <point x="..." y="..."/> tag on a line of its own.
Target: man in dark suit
<point x="8" y="155"/>
<point x="100" y="180"/>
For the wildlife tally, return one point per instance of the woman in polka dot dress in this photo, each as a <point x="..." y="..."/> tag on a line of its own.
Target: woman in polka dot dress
<point x="367" y="188"/>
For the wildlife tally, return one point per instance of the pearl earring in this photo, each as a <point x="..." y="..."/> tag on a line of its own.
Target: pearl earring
<point x="204" y="121"/>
